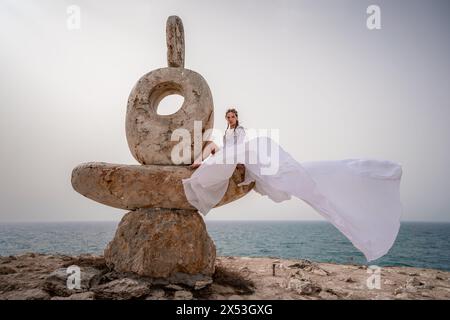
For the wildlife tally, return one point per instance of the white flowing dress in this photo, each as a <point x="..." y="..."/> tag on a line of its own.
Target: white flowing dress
<point x="360" y="197"/>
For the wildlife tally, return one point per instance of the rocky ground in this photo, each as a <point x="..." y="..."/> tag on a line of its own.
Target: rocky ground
<point x="41" y="276"/>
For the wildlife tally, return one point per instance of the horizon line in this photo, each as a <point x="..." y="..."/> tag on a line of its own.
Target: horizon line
<point x="206" y="220"/>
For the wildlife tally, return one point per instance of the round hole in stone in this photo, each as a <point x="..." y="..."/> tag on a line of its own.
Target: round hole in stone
<point x="170" y="104"/>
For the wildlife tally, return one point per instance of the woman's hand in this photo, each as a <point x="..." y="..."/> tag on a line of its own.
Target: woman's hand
<point x="195" y="165"/>
<point x="210" y="148"/>
<point x="197" y="162"/>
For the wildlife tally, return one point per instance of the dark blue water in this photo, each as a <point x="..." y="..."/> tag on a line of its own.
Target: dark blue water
<point x="418" y="244"/>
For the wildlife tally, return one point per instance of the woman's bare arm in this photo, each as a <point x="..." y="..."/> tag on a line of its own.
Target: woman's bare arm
<point x="210" y="148"/>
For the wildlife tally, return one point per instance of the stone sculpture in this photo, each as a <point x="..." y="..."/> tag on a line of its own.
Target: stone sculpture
<point x="163" y="236"/>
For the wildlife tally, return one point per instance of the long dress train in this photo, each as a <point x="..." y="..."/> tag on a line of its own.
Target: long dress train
<point x="360" y="197"/>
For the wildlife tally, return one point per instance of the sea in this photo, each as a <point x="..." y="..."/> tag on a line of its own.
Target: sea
<point x="418" y="244"/>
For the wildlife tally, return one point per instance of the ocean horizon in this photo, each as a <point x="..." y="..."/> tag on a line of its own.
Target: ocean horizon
<point x="419" y="244"/>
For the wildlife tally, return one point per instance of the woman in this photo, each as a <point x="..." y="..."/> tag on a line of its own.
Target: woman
<point x="234" y="133"/>
<point x="360" y="197"/>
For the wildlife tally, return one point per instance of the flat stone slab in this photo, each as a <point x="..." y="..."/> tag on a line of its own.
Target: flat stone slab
<point x="131" y="187"/>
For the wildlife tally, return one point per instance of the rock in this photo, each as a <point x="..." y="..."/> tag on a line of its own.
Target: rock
<point x="427" y="287"/>
<point x="162" y="243"/>
<point x="325" y="295"/>
<point x="122" y="289"/>
<point x="21" y="265"/>
<point x="5" y="260"/>
<point x="350" y="280"/>
<point x="183" y="295"/>
<point x="131" y="187"/>
<point x="382" y="297"/>
<point x="7" y="270"/>
<point x="175" y="42"/>
<point x="389" y="282"/>
<point x="309" y="266"/>
<point x="399" y="290"/>
<point x="216" y="296"/>
<point x="304" y="287"/>
<point x="156" y="294"/>
<point x="328" y="296"/>
<point x="410" y="289"/>
<point x="308" y="288"/>
<point x="302" y="264"/>
<point x="87" y="260"/>
<point x="56" y="282"/>
<point x="89" y="295"/>
<point x="320" y="272"/>
<point x="414" y="282"/>
<point x="151" y="136"/>
<point x="363" y="267"/>
<point x="331" y="293"/>
<point x="202" y="284"/>
<point x="29" y="294"/>
<point x="173" y="287"/>
<point x="403" y="295"/>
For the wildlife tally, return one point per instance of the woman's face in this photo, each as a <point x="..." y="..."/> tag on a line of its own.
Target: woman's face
<point x="231" y="118"/>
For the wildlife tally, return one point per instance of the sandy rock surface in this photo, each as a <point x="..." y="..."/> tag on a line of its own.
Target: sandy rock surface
<point x="38" y="276"/>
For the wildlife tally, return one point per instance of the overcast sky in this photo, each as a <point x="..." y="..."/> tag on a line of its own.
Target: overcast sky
<point x="312" y="69"/>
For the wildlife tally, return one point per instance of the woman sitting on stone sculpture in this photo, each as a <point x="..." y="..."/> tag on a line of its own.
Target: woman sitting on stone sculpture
<point x="234" y="133"/>
<point x="360" y="197"/>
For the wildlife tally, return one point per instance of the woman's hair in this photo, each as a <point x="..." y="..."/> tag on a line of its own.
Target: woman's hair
<point x="233" y="110"/>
